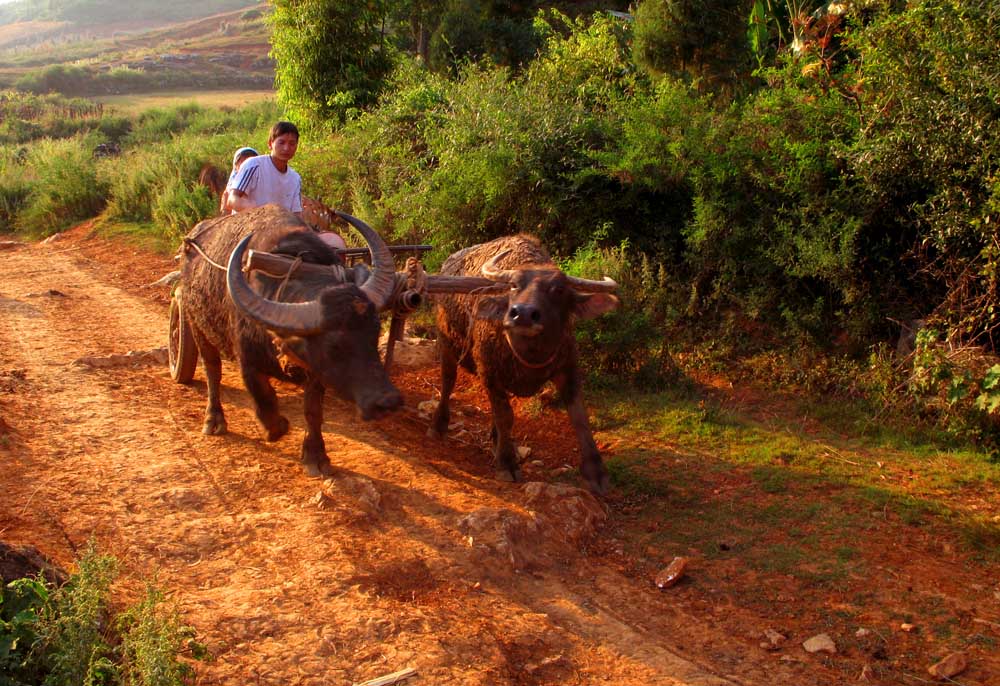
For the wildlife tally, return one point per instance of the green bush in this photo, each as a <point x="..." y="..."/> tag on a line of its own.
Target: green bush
<point x="68" y="636"/>
<point x="14" y="187"/>
<point x="22" y="604"/>
<point x="63" y="187"/>
<point x="465" y="160"/>
<point x="152" y="639"/>
<point x="927" y="156"/>
<point x="630" y="345"/>
<point x="179" y="207"/>
<point x="75" y="637"/>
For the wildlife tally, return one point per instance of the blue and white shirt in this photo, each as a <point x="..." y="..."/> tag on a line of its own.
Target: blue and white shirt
<point x="264" y="184"/>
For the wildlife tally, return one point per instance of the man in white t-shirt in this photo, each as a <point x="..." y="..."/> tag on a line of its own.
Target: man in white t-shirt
<point x="268" y="179"/>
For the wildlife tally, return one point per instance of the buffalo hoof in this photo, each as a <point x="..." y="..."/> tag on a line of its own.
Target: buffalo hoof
<point x="509" y="476"/>
<point x="278" y="429"/>
<point x="318" y="469"/>
<point x="599" y="483"/>
<point x="214" y="425"/>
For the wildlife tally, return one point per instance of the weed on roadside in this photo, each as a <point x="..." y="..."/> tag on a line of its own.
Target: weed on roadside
<point x="68" y="636"/>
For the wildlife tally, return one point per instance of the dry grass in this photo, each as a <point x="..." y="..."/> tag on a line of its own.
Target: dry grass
<point x="134" y="103"/>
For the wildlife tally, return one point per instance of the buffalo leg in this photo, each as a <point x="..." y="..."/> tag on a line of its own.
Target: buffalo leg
<point x="591" y="465"/>
<point x="211" y="362"/>
<point x="449" y="372"/>
<point x="503" y="424"/>
<point x="265" y="402"/>
<point x="314" y="457"/>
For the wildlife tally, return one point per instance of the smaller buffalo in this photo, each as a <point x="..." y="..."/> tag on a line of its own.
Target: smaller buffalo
<point x="519" y="341"/>
<point x="317" y="330"/>
<point x="212" y="178"/>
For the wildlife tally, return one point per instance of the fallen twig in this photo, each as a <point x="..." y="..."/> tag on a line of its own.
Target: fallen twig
<point x="393" y="678"/>
<point x="837" y="456"/>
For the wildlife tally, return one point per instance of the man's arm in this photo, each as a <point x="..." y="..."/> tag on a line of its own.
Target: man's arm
<point x="239" y="201"/>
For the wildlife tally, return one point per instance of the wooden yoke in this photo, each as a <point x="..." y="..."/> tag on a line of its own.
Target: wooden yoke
<point x="412" y="284"/>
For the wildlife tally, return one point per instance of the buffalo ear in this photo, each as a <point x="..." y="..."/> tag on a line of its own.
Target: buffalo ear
<point x="491" y="308"/>
<point x="594" y="305"/>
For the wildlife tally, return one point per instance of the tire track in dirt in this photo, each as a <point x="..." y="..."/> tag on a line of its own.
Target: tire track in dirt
<point x="290" y="580"/>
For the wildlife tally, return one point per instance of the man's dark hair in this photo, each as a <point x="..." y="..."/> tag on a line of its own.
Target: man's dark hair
<point x="280" y="129"/>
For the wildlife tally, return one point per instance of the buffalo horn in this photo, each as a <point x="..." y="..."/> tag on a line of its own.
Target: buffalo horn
<point x="382" y="281"/>
<point x="297" y="319"/>
<point x="606" y="285"/>
<point x="490" y="270"/>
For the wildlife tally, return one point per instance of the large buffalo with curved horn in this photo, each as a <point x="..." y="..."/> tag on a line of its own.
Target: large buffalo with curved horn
<point x="518" y="341"/>
<point x="327" y="327"/>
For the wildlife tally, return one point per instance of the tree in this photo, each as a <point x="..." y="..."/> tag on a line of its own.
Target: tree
<point x="332" y="55"/>
<point x="704" y="39"/>
<point x="474" y="29"/>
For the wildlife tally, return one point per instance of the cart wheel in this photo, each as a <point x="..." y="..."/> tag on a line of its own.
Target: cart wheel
<point x="182" y="353"/>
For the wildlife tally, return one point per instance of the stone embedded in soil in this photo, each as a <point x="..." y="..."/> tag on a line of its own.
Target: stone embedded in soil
<point x="672" y="573"/>
<point x="774" y="640"/>
<point x="426" y="408"/>
<point x="951" y="666"/>
<point x="510" y="535"/>
<point x="820" y="643"/>
<point x="570" y="513"/>
<point x="134" y="358"/>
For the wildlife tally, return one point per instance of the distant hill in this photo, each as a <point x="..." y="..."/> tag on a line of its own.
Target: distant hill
<point x="228" y="50"/>
<point x="95" y="13"/>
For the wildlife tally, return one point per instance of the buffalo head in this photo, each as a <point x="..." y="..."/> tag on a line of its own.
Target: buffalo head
<point x="334" y="333"/>
<point x="538" y="308"/>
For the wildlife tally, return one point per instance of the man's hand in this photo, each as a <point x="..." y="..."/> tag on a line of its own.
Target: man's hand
<point x="239" y="201"/>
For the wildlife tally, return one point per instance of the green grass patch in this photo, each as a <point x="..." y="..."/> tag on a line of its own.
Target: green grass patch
<point x="143" y="235"/>
<point x="632" y="475"/>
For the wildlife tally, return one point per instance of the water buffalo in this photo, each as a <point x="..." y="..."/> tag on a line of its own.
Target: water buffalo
<point x="518" y="341"/>
<point x="212" y="178"/>
<point x="328" y="329"/>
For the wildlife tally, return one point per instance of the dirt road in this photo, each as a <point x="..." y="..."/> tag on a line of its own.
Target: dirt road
<point x="411" y="556"/>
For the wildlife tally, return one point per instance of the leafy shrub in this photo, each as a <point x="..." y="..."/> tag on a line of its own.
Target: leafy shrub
<point x="63" y="187"/>
<point x="14" y="187"/>
<point x="927" y="157"/>
<point x="74" y="640"/>
<point x="55" y="78"/>
<point x="488" y="153"/>
<point x="630" y="345"/>
<point x="68" y="636"/>
<point x="702" y="38"/>
<point x="152" y="638"/>
<point x="960" y="387"/>
<point x="22" y="604"/>
<point x="179" y="207"/>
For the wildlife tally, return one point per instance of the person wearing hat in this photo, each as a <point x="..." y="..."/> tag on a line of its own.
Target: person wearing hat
<point x="239" y="157"/>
